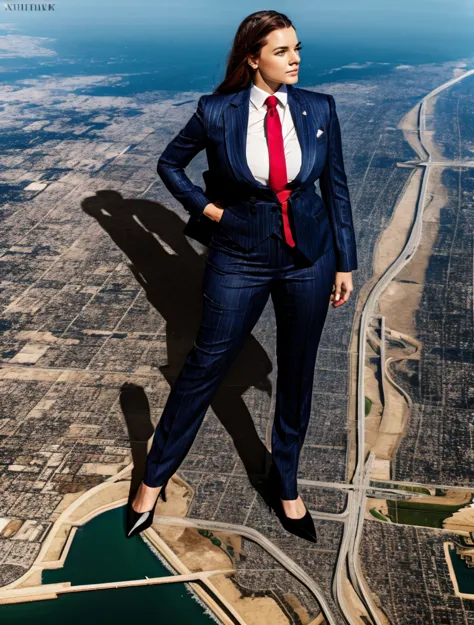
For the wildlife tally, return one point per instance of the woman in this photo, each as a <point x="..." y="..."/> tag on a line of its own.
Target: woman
<point x="269" y="233"/>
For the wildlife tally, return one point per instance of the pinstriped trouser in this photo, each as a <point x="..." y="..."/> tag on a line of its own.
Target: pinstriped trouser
<point x="236" y="287"/>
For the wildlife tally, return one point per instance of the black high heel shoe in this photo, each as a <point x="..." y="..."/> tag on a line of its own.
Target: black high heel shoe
<point x="303" y="527"/>
<point x="139" y="521"/>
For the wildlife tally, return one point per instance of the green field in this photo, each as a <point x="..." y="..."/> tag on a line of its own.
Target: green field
<point x="425" y="514"/>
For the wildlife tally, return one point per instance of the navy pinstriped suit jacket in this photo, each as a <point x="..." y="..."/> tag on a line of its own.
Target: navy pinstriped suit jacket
<point x="251" y="209"/>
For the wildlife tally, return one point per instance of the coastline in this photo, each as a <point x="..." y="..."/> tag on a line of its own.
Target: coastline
<point x="77" y="510"/>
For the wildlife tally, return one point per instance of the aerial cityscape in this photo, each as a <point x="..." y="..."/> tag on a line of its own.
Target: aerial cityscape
<point x="101" y="304"/>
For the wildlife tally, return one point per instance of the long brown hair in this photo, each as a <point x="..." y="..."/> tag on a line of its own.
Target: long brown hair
<point x="249" y="39"/>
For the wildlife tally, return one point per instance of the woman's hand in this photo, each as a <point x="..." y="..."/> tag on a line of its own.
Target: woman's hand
<point x="342" y="286"/>
<point x="211" y="212"/>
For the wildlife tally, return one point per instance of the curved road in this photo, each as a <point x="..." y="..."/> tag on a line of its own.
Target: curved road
<point x="361" y="477"/>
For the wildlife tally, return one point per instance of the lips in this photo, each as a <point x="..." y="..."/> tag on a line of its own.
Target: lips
<point x="293" y="71"/>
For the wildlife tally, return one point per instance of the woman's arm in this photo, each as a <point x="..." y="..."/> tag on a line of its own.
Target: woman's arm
<point x="335" y="193"/>
<point x="177" y="155"/>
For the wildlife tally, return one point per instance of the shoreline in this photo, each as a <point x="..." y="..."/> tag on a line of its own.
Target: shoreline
<point x="113" y="493"/>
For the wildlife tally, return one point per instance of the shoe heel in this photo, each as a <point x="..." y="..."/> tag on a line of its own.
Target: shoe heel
<point x="137" y="522"/>
<point x="162" y="492"/>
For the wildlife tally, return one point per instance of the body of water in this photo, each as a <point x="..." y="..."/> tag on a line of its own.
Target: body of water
<point x="100" y="553"/>
<point x="183" y="45"/>
<point x="464" y="574"/>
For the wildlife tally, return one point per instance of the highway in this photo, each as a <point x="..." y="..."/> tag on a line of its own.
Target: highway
<point x="349" y="552"/>
<point x="263" y="541"/>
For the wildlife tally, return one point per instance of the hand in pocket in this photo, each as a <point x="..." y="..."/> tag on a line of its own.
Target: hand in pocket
<point x="219" y="205"/>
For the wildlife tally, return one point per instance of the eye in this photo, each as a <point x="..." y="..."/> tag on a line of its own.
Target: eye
<point x="298" y="48"/>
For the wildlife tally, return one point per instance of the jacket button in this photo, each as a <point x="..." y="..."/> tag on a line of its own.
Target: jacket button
<point x="253" y="198"/>
<point x="253" y="209"/>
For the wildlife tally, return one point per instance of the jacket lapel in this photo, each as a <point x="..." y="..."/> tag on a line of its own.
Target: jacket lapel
<point x="236" y="116"/>
<point x="306" y="132"/>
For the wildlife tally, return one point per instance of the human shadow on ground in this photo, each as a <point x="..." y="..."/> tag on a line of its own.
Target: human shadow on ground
<point x="172" y="283"/>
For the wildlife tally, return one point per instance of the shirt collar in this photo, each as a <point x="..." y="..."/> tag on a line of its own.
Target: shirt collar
<point x="258" y="96"/>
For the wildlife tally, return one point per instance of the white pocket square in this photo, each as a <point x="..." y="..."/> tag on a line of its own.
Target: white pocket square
<point x="319" y="133"/>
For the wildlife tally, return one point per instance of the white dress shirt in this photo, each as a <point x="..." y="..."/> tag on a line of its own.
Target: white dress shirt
<point x="257" y="147"/>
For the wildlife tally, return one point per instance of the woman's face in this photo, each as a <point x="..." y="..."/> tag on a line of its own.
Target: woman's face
<point x="278" y="57"/>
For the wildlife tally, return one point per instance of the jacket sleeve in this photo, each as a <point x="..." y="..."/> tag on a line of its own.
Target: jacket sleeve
<point x="335" y="193"/>
<point x="177" y="155"/>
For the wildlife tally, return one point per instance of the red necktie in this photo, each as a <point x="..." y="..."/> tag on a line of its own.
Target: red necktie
<point x="278" y="175"/>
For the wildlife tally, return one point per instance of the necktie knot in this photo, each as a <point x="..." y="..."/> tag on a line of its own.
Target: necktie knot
<point x="271" y="102"/>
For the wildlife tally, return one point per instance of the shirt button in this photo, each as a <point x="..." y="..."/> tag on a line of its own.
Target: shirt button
<point x="253" y="198"/>
<point x="253" y="209"/>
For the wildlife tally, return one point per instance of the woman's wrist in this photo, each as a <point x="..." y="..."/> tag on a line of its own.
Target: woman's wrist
<point x="213" y="211"/>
